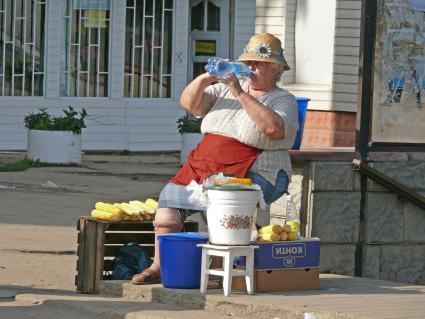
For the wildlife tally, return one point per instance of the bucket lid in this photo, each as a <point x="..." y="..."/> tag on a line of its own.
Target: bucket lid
<point x="184" y="236"/>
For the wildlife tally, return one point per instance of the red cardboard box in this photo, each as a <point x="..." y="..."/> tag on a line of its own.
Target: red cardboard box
<point x="281" y="280"/>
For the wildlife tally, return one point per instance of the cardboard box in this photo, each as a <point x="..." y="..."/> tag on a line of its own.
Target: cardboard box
<point x="285" y="255"/>
<point x="281" y="280"/>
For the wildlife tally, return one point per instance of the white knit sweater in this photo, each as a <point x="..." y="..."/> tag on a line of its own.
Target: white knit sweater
<point x="225" y="116"/>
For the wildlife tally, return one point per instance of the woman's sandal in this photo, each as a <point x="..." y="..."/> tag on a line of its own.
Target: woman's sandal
<point x="146" y="277"/>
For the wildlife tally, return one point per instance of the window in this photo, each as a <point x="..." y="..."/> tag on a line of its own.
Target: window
<point x="86" y="56"/>
<point x="22" y="30"/>
<point x="148" y="48"/>
<point x="200" y="11"/>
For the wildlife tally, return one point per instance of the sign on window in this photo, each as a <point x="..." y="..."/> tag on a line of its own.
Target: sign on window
<point x="205" y="47"/>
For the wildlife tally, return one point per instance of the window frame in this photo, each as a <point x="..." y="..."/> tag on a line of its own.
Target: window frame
<point x="43" y="49"/>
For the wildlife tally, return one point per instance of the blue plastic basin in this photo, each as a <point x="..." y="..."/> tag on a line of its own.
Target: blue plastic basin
<point x="180" y="259"/>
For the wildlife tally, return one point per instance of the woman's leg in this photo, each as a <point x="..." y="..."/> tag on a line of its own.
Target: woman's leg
<point x="167" y="220"/>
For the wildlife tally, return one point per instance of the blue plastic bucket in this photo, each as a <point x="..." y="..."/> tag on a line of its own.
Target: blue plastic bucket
<point x="302" y="103"/>
<point x="180" y="259"/>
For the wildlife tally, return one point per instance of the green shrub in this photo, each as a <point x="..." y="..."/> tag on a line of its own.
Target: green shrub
<point x="71" y="121"/>
<point x="189" y="124"/>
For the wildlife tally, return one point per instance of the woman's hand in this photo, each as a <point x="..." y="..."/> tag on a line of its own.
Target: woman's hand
<point x="232" y="83"/>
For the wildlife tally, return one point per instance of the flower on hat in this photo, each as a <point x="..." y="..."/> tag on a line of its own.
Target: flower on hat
<point x="245" y="50"/>
<point x="263" y="50"/>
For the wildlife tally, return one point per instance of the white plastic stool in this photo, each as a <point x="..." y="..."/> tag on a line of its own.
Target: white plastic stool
<point x="227" y="252"/>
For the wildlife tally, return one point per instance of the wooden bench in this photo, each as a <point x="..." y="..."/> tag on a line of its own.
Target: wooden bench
<point x="99" y="242"/>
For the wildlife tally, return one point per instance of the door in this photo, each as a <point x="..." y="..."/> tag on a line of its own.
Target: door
<point x="208" y="33"/>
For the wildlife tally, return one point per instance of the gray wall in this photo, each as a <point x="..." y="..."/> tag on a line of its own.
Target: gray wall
<point x="393" y="236"/>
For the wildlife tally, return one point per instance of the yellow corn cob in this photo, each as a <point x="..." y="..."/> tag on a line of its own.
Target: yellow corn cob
<point x="233" y="180"/>
<point x="107" y="207"/>
<point x="270" y="229"/>
<point x="245" y="181"/>
<point x="283" y="236"/>
<point x="129" y="209"/>
<point x="143" y="206"/>
<point x="102" y="215"/>
<point x="152" y="202"/>
<point x="268" y="237"/>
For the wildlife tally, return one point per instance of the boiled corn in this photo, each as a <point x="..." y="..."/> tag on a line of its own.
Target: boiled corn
<point x="245" y="181"/>
<point x="145" y="208"/>
<point x="268" y="237"/>
<point x="232" y="180"/>
<point x="270" y="229"/>
<point x="102" y="215"/>
<point x="107" y="207"/>
<point x="152" y="202"/>
<point x="129" y="209"/>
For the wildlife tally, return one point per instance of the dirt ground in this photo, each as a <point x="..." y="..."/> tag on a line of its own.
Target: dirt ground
<point x="40" y="208"/>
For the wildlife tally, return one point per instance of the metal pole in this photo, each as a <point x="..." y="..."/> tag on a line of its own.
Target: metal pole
<point x="366" y="65"/>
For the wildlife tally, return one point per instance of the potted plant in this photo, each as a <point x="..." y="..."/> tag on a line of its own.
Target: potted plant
<point x="190" y="129"/>
<point x="54" y="139"/>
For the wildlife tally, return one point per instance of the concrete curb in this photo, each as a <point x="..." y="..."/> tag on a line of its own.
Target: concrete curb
<point x="238" y="304"/>
<point x="103" y="307"/>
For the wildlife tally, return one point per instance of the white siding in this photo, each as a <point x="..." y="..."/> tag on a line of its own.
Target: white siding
<point x="53" y="42"/>
<point x="278" y="18"/>
<point x="270" y="17"/>
<point x="117" y="51"/>
<point x="114" y="123"/>
<point x="346" y="55"/>
<point x="244" y="25"/>
<point x="152" y="122"/>
<point x="289" y="40"/>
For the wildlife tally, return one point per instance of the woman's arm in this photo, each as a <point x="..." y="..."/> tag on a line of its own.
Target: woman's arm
<point x="192" y="98"/>
<point x="267" y="120"/>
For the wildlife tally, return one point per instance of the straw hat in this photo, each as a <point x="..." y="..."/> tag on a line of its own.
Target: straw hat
<point x="264" y="47"/>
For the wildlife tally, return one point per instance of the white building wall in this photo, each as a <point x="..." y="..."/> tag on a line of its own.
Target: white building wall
<point x="115" y="122"/>
<point x="151" y="123"/>
<point x="346" y="55"/>
<point x="289" y="40"/>
<point x="279" y="18"/>
<point x="244" y="25"/>
<point x="314" y="47"/>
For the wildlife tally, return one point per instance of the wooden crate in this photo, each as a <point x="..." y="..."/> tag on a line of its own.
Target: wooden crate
<point x="99" y="242"/>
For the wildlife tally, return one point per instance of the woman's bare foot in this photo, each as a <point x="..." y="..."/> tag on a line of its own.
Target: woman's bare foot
<point x="147" y="277"/>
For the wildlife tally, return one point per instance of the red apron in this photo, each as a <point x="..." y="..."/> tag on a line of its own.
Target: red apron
<point x="215" y="154"/>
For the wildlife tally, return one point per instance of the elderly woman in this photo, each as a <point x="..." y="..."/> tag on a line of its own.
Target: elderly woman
<point x="248" y="126"/>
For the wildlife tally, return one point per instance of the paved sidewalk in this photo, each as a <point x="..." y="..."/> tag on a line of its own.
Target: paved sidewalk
<point x="38" y="215"/>
<point x="338" y="297"/>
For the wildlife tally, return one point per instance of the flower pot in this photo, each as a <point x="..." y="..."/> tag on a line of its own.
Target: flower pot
<point x="188" y="143"/>
<point x="60" y="147"/>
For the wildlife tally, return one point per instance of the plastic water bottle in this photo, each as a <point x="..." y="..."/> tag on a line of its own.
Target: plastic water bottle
<point x="219" y="67"/>
<point x="292" y="215"/>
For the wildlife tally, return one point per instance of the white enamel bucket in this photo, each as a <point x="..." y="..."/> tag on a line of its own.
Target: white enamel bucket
<point x="230" y="216"/>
